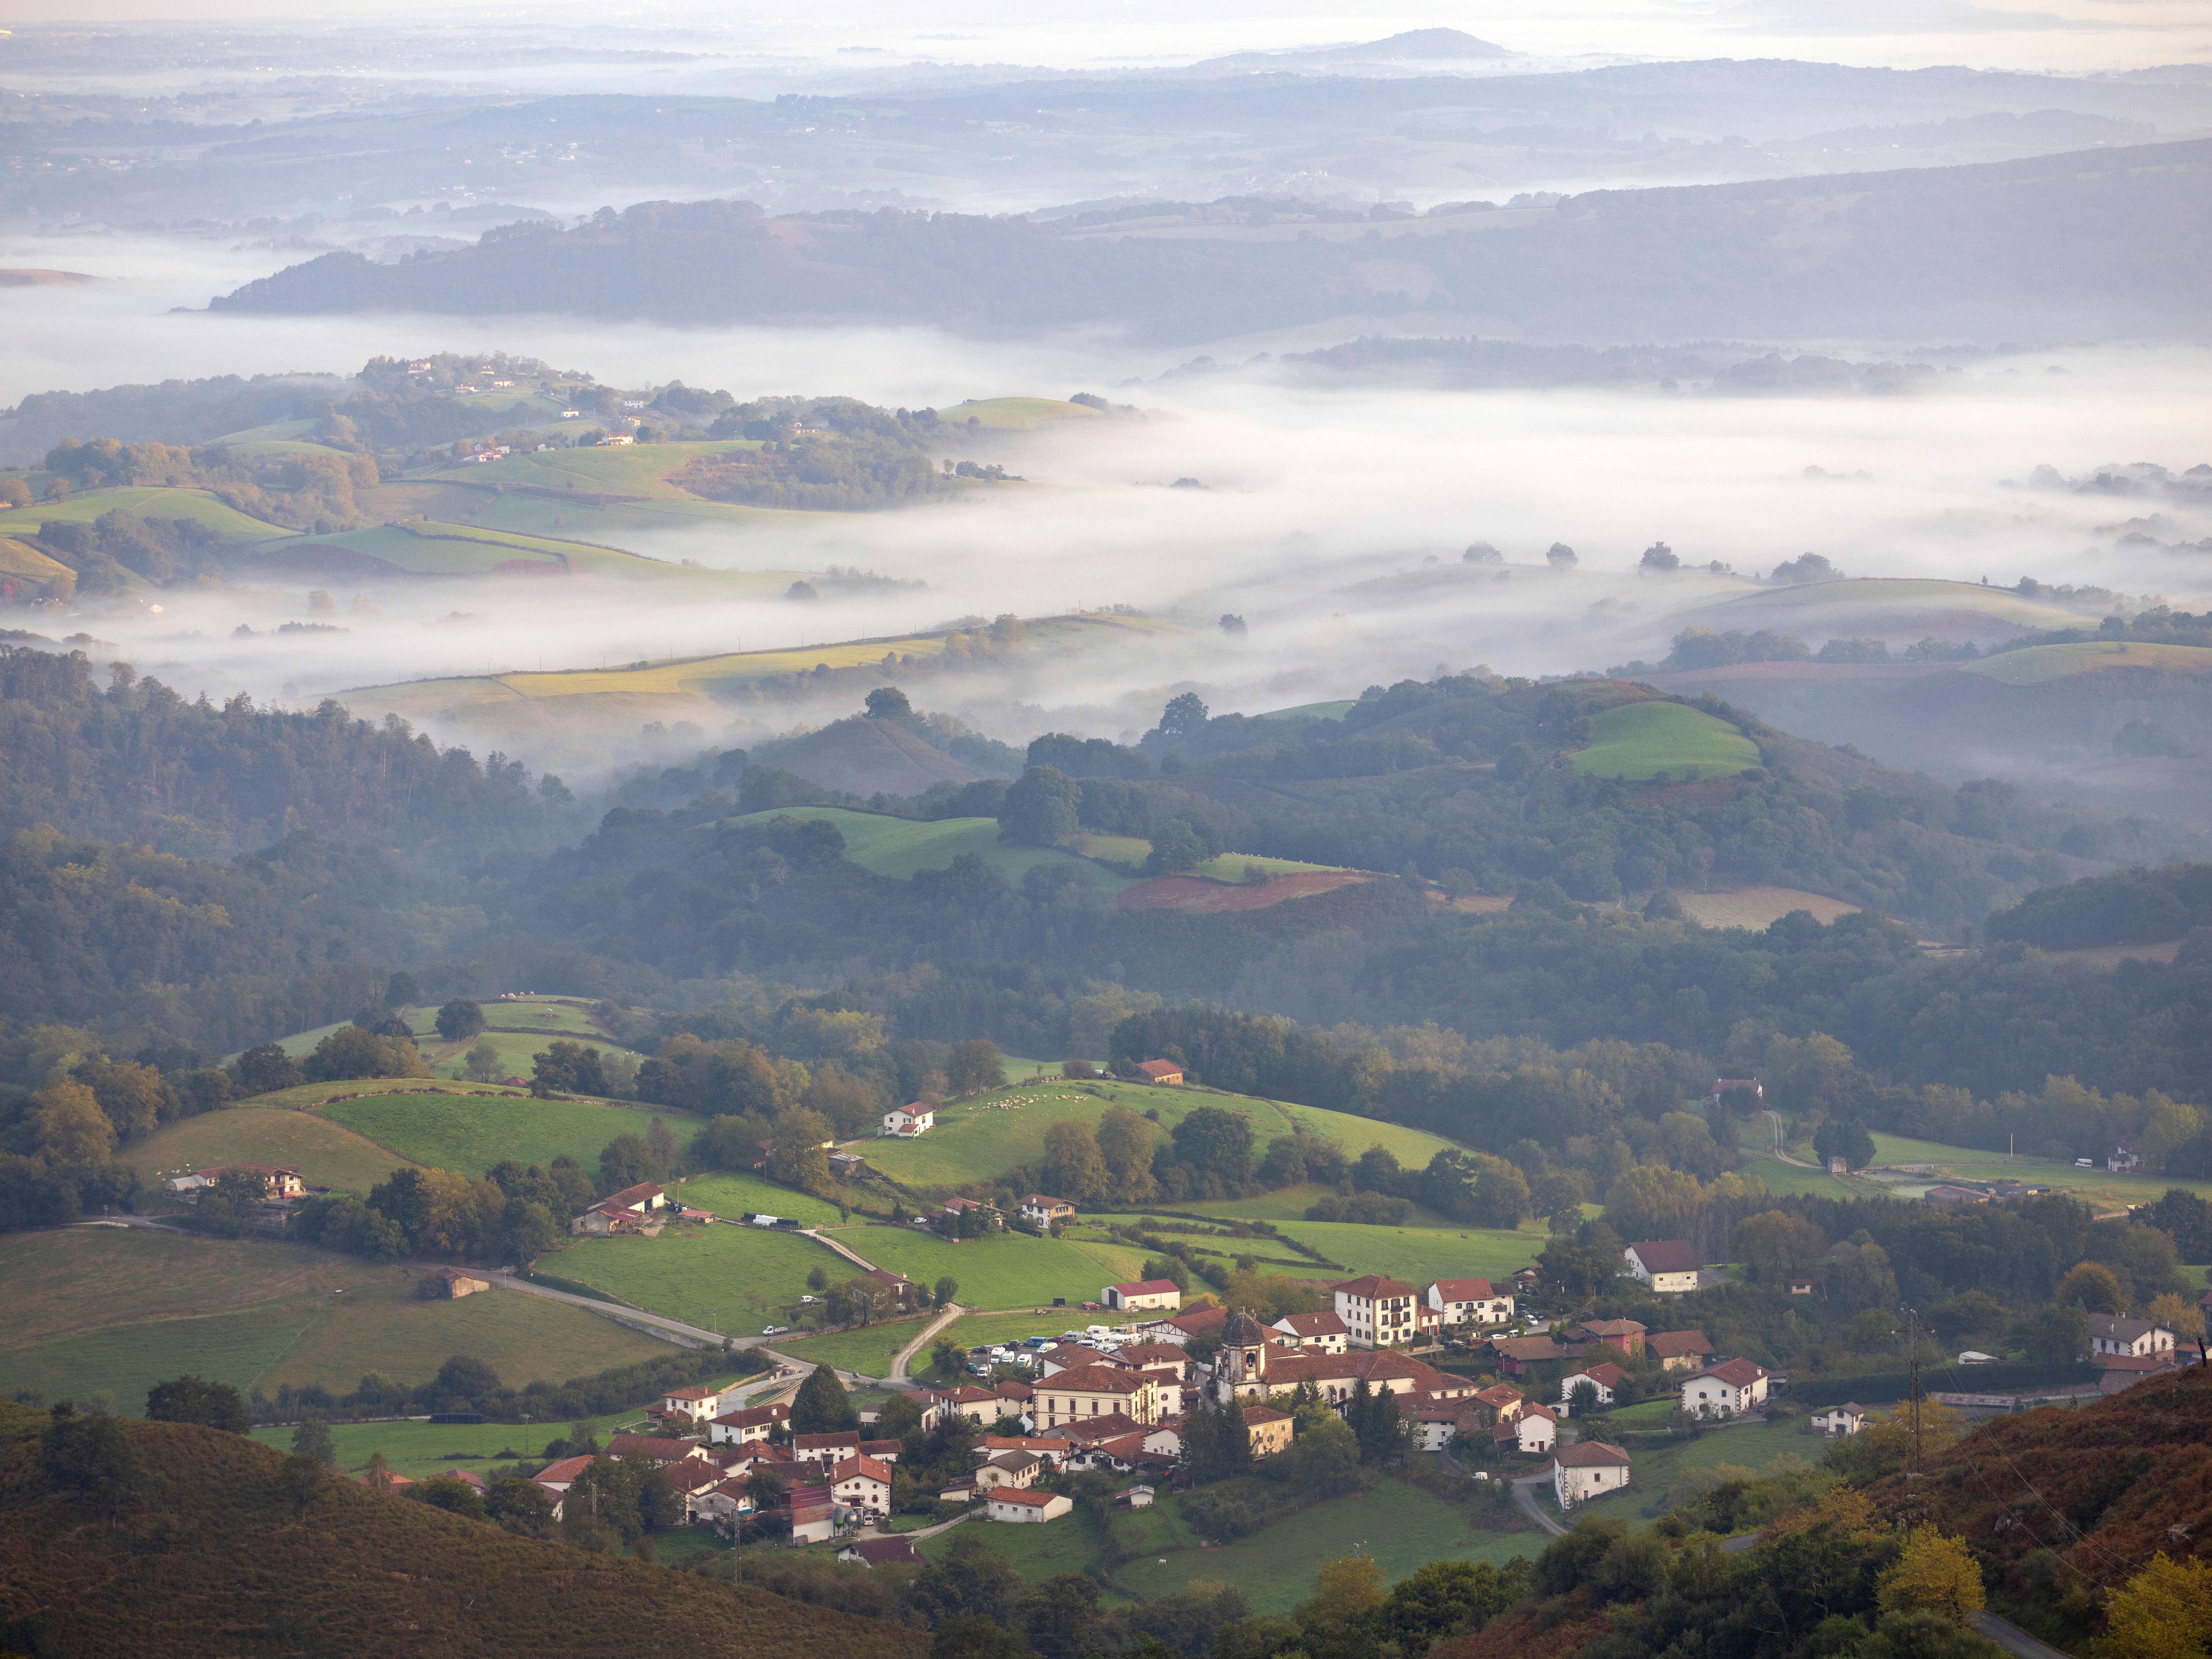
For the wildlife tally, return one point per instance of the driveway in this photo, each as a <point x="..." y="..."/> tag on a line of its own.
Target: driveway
<point x="1524" y="1494"/>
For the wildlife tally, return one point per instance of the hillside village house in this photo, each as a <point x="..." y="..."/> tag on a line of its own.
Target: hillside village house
<point x="1589" y="1470"/>
<point x="1010" y="1503"/>
<point x="624" y="1211"/>
<point x="1669" y="1266"/>
<point x="1604" y="1377"/>
<point x="741" y="1427"/>
<point x="1680" y="1350"/>
<point x="862" y="1483"/>
<point x="276" y="1179"/>
<point x="1468" y="1302"/>
<point x="1536" y="1429"/>
<point x="1517" y="1354"/>
<point x="1267" y="1430"/>
<point x="1251" y="1367"/>
<point x="1724" y="1086"/>
<point x="695" y="1404"/>
<point x="958" y="1209"/>
<point x="2138" y="1338"/>
<point x="981" y="1406"/>
<point x="1097" y="1391"/>
<point x="1141" y="1294"/>
<point x="1009" y="1468"/>
<point x="1624" y="1335"/>
<point x="1166" y="1072"/>
<point x="1376" y="1312"/>
<point x="1846" y="1419"/>
<point x="456" y="1282"/>
<point x="1322" y="1331"/>
<point x="910" y="1120"/>
<point x="881" y="1552"/>
<point x="813" y="1514"/>
<point x="1041" y="1210"/>
<point x="1728" y="1389"/>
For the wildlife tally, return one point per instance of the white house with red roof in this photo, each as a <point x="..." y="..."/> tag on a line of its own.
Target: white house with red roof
<point x="909" y="1121"/>
<point x="1468" y="1302"/>
<point x="1140" y="1295"/>
<point x="1728" y="1389"/>
<point x="1323" y="1333"/>
<point x="1604" y="1377"/>
<point x="1669" y="1266"/>
<point x="1020" y="1504"/>
<point x="696" y="1403"/>
<point x="752" y="1422"/>
<point x="1376" y="1312"/>
<point x="862" y="1483"/>
<point x="1589" y="1469"/>
<point x="1041" y="1210"/>
<point x="1166" y="1072"/>
<point x="1536" y="1428"/>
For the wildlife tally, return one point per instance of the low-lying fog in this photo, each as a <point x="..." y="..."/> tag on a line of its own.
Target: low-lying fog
<point x="1317" y="514"/>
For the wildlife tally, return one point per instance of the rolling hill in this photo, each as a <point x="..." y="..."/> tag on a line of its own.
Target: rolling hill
<point x="1979" y="252"/>
<point x="218" y="1558"/>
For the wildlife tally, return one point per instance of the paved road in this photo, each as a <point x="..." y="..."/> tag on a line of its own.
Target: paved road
<point x="1524" y="1494"/>
<point x="951" y="1311"/>
<point x="2014" y="1640"/>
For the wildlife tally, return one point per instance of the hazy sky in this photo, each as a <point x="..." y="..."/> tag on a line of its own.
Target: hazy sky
<point x="2076" y="35"/>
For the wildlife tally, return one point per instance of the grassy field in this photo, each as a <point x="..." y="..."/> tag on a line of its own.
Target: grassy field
<point x="327" y="1154"/>
<point x="1401" y="1527"/>
<point x="733" y="1194"/>
<point x="1134" y="850"/>
<point x="982" y="1139"/>
<point x="2040" y="663"/>
<point x="1750" y="1445"/>
<point x="1782" y="1179"/>
<point x="1639" y="739"/>
<point x="1759" y="907"/>
<point x="1017" y="414"/>
<point x="100" y="1307"/>
<point x="1325" y="711"/>
<point x="470" y="1135"/>
<point x="146" y="501"/>
<point x="899" y="847"/>
<point x="1415" y="1253"/>
<point x="730" y="1279"/>
<point x="1071" y="1544"/>
<point x="1291" y="1204"/>
<point x="621" y="470"/>
<point x="2099" y="1186"/>
<point x="869" y="1350"/>
<point x="1008" y="1270"/>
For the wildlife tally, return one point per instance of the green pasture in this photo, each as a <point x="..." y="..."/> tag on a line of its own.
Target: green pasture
<point x="325" y="1154"/>
<point x="731" y="1194"/>
<point x="1073" y="1543"/>
<point x="95" y="1307"/>
<point x="2040" y="664"/>
<point x="726" y="1278"/>
<point x="517" y="1052"/>
<point x="1134" y="850"/>
<point x="1416" y="1255"/>
<point x="868" y="1350"/>
<point x="1784" y="1179"/>
<point x="901" y="847"/>
<point x="1291" y="1204"/>
<point x="469" y="1133"/>
<point x="987" y="1136"/>
<point x="1401" y="1527"/>
<point x="1636" y="740"/>
<point x="273" y="432"/>
<point x="1017" y="414"/>
<point x="618" y="470"/>
<point x="147" y="500"/>
<point x="1650" y="1474"/>
<point x="1005" y="1270"/>
<point x="620" y="523"/>
<point x="1319" y="711"/>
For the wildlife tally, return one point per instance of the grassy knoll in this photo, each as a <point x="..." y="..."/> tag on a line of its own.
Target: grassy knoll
<point x="1414" y="1253"/>
<point x="327" y="1154"/>
<point x="1749" y="1445"/>
<point x="420" y="1449"/>
<point x="1324" y="711"/>
<point x="1134" y="850"/>
<point x="1401" y="1527"/>
<point x="901" y="846"/>
<point x="743" y="1193"/>
<point x="516" y="1050"/>
<point x="731" y="1280"/>
<point x="1072" y="1544"/>
<point x="109" y="1308"/>
<point x="2040" y="663"/>
<point x="1782" y="1179"/>
<point x="146" y="501"/>
<point x="470" y="1135"/>
<point x="1291" y="1204"/>
<point x="1017" y="414"/>
<point x="1009" y="1270"/>
<point x="1639" y="739"/>
<point x="869" y="1350"/>
<point x="982" y="1138"/>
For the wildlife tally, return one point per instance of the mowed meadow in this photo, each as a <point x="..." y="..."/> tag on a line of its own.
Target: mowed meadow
<point x="115" y="1310"/>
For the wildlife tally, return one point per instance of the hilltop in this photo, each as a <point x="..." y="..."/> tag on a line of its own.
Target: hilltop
<point x="217" y="1557"/>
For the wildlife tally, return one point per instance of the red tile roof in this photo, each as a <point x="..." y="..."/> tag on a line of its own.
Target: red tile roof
<point x="1310" y="1325"/>
<point x="650" y="1447"/>
<point x="857" y="1468"/>
<point x="1370" y="1286"/>
<point x="1679" y="1345"/>
<point x="1157" y="1069"/>
<point x="1736" y="1373"/>
<point x="1591" y="1455"/>
<point x="1095" y="1379"/>
<point x="1034" y="1500"/>
<point x="1464" y="1290"/>
<point x="1146" y="1287"/>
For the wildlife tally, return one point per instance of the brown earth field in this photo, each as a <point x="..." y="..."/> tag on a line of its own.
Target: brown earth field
<point x="1195" y="896"/>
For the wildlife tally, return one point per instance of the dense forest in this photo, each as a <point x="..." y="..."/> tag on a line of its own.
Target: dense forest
<point x="2001" y="246"/>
